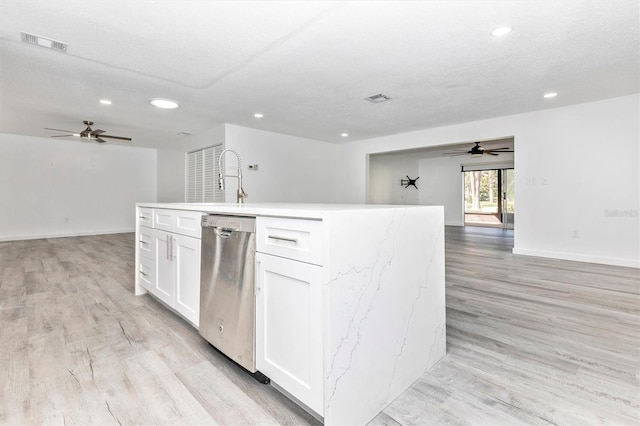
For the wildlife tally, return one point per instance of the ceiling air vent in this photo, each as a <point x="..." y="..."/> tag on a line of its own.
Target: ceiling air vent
<point x="44" y="42"/>
<point x="376" y="99"/>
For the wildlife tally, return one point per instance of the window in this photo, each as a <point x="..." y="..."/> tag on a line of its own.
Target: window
<point x="201" y="176"/>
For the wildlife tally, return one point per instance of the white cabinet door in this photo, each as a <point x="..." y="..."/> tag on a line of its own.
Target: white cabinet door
<point x="289" y="326"/>
<point x="186" y="260"/>
<point x="163" y="288"/>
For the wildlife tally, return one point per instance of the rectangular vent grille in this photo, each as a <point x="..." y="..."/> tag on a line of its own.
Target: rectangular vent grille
<point x="44" y="42"/>
<point x="376" y="99"/>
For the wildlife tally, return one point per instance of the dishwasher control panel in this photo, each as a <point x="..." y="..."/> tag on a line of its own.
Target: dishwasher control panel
<point x="232" y="223"/>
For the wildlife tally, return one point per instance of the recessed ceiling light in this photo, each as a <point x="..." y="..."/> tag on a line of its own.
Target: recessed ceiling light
<point x="258" y="115"/>
<point x="344" y="135"/>
<point x="550" y="95"/>
<point x="105" y="101"/>
<point x="164" y="103"/>
<point x="501" y="31"/>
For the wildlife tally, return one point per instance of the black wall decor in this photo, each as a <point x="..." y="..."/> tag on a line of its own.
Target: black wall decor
<point x="409" y="182"/>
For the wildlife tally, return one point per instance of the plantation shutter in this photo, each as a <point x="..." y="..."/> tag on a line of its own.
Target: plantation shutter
<point x="201" y="176"/>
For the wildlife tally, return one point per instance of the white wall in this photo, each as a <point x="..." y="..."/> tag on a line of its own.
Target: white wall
<point x="54" y="187"/>
<point x="577" y="173"/>
<point x="290" y="169"/>
<point x="442" y="183"/>
<point x="385" y="174"/>
<point x="171" y="163"/>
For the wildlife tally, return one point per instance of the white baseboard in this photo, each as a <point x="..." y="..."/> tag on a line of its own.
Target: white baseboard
<point x="62" y="235"/>
<point x="630" y="263"/>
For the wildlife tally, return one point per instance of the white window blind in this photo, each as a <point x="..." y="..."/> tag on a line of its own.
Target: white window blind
<point x="201" y="176"/>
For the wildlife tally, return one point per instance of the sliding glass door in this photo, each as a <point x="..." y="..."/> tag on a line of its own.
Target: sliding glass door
<point x="508" y="198"/>
<point x="489" y="198"/>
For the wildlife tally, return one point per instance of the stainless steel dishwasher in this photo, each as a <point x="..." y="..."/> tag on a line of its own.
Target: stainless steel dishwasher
<point x="227" y="288"/>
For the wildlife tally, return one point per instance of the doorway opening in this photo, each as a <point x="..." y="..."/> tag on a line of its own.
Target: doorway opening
<point x="489" y="198"/>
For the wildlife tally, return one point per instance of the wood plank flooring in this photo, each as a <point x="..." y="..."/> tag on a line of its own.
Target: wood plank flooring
<point x="530" y="341"/>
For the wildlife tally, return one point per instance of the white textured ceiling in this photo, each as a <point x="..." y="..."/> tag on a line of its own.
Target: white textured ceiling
<point x="306" y="65"/>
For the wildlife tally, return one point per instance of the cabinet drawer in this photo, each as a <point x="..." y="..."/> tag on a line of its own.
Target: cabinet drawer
<point x="146" y="273"/>
<point x="163" y="219"/>
<point x="145" y="217"/>
<point x="296" y="239"/>
<point x="188" y="223"/>
<point x="146" y="243"/>
<point x="178" y="221"/>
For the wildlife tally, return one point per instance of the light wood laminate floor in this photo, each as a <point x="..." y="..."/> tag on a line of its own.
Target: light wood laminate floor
<point x="530" y="341"/>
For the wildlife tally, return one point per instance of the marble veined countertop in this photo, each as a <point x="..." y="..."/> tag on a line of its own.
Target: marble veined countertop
<point x="294" y="210"/>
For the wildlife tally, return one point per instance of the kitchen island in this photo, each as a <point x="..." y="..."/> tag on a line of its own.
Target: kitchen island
<point x="347" y="317"/>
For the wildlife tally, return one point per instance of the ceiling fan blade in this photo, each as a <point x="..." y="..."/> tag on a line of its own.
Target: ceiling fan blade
<point x="60" y="136"/>
<point x="455" y="154"/>
<point x="491" y="153"/>
<point x="97" y="139"/>
<point x="59" y="130"/>
<point x="115" y="137"/>
<point x="96" y="132"/>
<point x="501" y="149"/>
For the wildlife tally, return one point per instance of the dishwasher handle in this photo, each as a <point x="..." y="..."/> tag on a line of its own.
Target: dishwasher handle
<point x="223" y="232"/>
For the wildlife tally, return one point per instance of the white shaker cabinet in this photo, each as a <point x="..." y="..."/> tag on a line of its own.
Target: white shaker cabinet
<point x="289" y="326"/>
<point x="186" y="260"/>
<point x="177" y="273"/>
<point x="163" y="287"/>
<point x="168" y="255"/>
<point x="289" y="305"/>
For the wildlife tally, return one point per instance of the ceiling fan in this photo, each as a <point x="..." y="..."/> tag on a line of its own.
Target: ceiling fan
<point x="477" y="151"/>
<point x="88" y="133"/>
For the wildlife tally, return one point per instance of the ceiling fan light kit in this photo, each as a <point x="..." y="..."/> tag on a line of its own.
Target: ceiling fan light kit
<point x="97" y="135"/>
<point x="478" y="151"/>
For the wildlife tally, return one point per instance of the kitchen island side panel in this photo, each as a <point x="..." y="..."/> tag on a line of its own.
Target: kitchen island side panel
<point x="384" y="307"/>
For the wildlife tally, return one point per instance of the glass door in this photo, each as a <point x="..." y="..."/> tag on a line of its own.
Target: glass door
<point x="508" y="199"/>
<point x="489" y="198"/>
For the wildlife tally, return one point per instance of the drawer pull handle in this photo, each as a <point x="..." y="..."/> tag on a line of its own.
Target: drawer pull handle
<point x="275" y="237"/>
<point x="143" y="274"/>
<point x="144" y="218"/>
<point x="143" y="242"/>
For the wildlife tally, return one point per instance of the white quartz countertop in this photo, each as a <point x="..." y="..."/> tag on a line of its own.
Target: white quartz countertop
<point x="296" y="210"/>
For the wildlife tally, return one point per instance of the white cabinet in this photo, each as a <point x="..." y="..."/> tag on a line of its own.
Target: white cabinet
<point x="164" y="266"/>
<point x="177" y="273"/>
<point x="168" y="258"/>
<point x="178" y="221"/>
<point x="187" y="277"/>
<point x="146" y="243"/>
<point x="289" y="302"/>
<point x="291" y="238"/>
<point x="146" y="273"/>
<point x="145" y="217"/>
